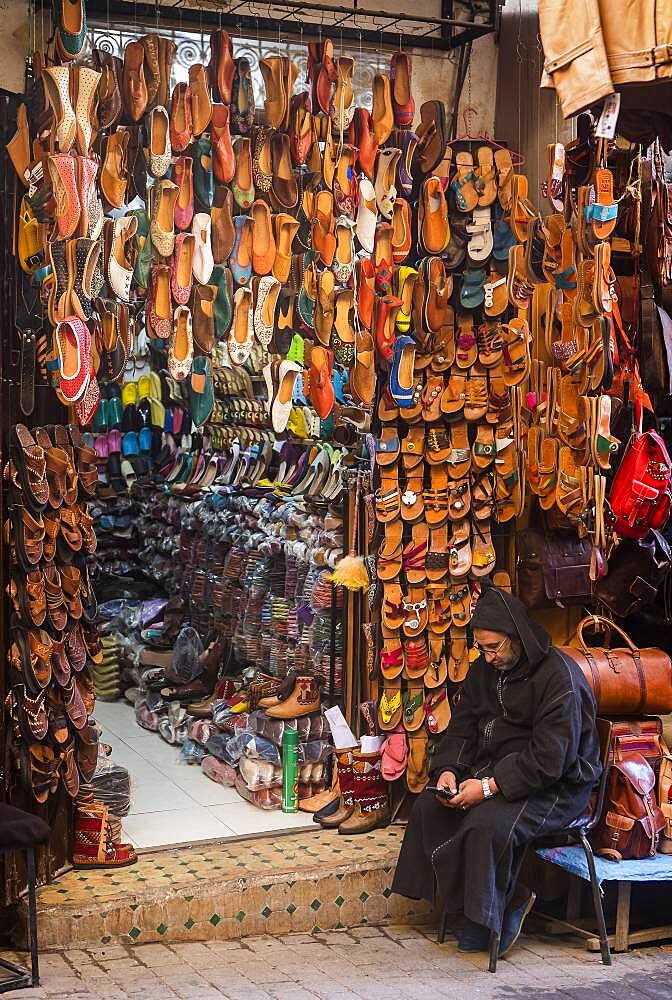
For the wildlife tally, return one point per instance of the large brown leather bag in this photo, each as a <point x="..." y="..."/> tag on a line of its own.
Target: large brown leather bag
<point x="627" y="680"/>
<point x="631" y="821"/>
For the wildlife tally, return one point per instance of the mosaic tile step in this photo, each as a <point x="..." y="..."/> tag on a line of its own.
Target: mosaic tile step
<point x="274" y="884"/>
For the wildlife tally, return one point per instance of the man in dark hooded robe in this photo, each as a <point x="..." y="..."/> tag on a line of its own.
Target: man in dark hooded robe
<point x="522" y="753"/>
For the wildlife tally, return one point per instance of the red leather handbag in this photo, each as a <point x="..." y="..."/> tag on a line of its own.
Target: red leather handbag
<point x="640" y="494"/>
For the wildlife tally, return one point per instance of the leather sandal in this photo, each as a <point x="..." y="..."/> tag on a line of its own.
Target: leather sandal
<point x="437" y="671"/>
<point x="416" y="659"/>
<point x="414" y="554"/>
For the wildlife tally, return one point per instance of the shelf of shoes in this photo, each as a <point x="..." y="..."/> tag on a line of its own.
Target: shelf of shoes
<point x="53" y="641"/>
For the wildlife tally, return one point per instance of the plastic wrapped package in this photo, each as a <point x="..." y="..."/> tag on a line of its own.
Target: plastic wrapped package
<point x="219" y="771"/>
<point x="111" y="785"/>
<point x="310" y="727"/>
<point x="259" y="773"/>
<point x="256" y="746"/>
<point x="146" y="718"/>
<point x="192" y="752"/>
<point x="264" y="798"/>
<point x="225" y="747"/>
<point x="185" y="666"/>
<point x="200" y="730"/>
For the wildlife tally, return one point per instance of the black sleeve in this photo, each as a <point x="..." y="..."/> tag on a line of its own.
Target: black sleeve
<point x="458" y="747"/>
<point x="552" y="747"/>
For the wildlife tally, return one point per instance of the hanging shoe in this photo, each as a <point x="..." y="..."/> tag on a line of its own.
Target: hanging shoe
<point x="180" y="118"/>
<point x="201" y="106"/>
<point x="160" y="152"/>
<point x="181" y="345"/>
<point x="133" y="87"/>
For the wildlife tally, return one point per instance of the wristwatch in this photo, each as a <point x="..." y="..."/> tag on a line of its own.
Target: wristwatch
<point x="487" y="791"/>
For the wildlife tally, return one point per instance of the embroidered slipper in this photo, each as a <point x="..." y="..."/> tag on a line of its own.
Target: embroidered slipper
<point x="416" y="659"/>
<point x="393" y="612"/>
<point x="416" y="614"/>
<point x="390" y="707"/>
<point x="436" y="563"/>
<point x="437" y="712"/>
<point x="388" y="564"/>
<point x="417" y="767"/>
<point x="415" y="554"/>
<point x="412" y="503"/>
<point x="436" y="497"/>
<point x="459" y="552"/>
<point x="459" y="499"/>
<point x="459" y="460"/>
<point x="458" y="656"/>
<point x="437" y="671"/>
<point x="414" y="709"/>
<point x="483" y="551"/>
<point x="391" y="659"/>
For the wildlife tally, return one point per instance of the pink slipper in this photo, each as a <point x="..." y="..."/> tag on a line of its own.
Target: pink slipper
<point x="395" y="756"/>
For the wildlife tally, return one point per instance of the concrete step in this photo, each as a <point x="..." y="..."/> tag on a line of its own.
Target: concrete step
<point x="272" y="884"/>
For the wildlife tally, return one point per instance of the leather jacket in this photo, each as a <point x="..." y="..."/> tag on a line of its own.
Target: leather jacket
<point x="594" y="47"/>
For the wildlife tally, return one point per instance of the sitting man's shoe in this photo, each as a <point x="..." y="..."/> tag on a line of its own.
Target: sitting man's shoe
<point x="514" y="918"/>
<point x="473" y="937"/>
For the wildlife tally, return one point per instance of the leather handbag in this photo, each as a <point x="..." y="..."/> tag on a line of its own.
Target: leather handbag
<point x="640" y="496"/>
<point x="631" y="821"/>
<point x="553" y="569"/>
<point x="636" y="571"/>
<point x="626" y="680"/>
<point x="624" y="737"/>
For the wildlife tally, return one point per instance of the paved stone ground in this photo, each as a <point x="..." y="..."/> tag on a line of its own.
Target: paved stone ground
<point x="370" y="963"/>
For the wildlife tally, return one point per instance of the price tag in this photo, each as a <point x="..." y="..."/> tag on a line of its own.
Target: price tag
<point x="606" y="126"/>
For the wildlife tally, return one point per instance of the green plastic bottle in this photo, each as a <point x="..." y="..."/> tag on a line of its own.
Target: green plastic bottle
<point x="290" y="771"/>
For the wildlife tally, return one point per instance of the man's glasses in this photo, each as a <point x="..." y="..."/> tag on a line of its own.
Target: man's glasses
<point x="490" y="652"/>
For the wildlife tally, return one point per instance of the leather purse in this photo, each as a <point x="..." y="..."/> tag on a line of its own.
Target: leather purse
<point x="631" y="821"/>
<point x="553" y="569"/>
<point x="636" y="571"/>
<point x="626" y="680"/>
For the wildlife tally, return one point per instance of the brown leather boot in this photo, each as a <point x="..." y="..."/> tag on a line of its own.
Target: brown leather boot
<point x="323" y="798"/>
<point x="372" y="808"/>
<point x="346" y="784"/>
<point x="304" y="699"/>
<point x="283" y="692"/>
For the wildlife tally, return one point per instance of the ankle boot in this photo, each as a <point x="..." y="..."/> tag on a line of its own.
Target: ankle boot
<point x="95" y="846"/>
<point x="304" y="699"/>
<point x="372" y="809"/>
<point x="346" y="784"/>
<point x="324" y="798"/>
<point x="285" y="689"/>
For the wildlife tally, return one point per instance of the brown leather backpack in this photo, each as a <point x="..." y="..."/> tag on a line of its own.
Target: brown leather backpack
<point x="631" y="821"/>
<point x="553" y="569"/>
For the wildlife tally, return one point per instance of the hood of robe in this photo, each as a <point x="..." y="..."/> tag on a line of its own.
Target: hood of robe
<point x="499" y="611"/>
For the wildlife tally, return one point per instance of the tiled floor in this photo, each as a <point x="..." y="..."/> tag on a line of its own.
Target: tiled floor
<point x="174" y="803"/>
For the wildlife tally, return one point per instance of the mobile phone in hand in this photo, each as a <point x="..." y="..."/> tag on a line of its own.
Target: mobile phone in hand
<point x="444" y="793"/>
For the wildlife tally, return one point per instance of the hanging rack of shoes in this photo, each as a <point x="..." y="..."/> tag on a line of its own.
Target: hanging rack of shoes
<point x="459" y="22"/>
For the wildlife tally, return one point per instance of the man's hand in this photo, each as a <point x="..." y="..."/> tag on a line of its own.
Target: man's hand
<point x="447" y="780"/>
<point x="470" y="794"/>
